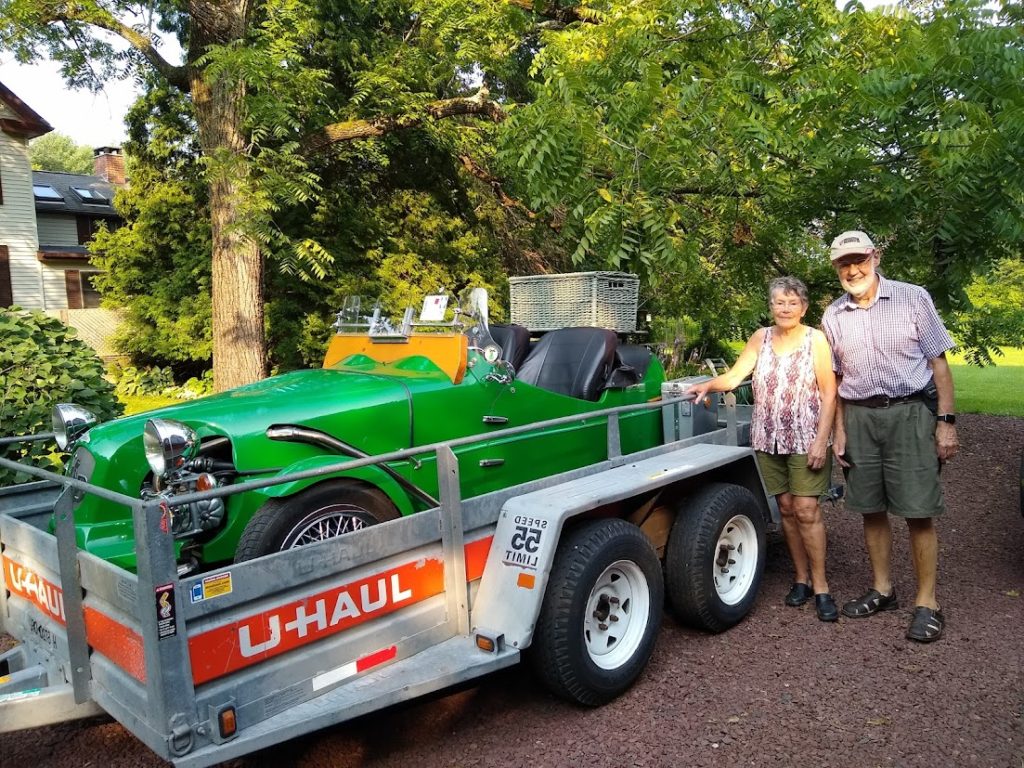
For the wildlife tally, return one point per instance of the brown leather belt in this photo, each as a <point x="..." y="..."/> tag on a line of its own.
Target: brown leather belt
<point x="883" y="401"/>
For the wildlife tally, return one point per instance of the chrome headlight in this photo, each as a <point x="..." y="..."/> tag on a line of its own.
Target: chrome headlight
<point x="169" y="444"/>
<point x="70" y="422"/>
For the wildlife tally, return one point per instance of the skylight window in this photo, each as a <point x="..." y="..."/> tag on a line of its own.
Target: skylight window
<point x="46" y="193"/>
<point x="90" y="196"/>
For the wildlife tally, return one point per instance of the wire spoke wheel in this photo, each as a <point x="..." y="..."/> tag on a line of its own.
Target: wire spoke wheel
<point x="322" y="512"/>
<point x="328" y="523"/>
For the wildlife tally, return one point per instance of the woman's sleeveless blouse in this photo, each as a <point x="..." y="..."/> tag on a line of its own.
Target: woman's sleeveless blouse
<point x="787" y="403"/>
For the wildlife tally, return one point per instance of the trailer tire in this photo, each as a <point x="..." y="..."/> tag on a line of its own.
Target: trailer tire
<point x="606" y="577"/>
<point x="324" y="511"/>
<point x="710" y="586"/>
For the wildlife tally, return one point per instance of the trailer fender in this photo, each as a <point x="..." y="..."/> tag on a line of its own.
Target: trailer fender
<point x="529" y="527"/>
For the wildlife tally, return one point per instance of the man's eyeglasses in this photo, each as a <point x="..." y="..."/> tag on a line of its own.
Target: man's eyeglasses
<point x="852" y="260"/>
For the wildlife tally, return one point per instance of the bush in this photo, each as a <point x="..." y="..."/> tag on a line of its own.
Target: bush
<point x="42" y="364"/>
<point x="135" y="382"/>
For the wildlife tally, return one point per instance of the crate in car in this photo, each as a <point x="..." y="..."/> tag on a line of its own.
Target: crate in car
<point x="599" y="299"/>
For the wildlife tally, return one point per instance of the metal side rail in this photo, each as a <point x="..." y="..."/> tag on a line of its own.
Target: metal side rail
<point x="449" y="663"/>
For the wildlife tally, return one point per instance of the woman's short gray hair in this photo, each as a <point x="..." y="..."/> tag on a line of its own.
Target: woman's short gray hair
<point x="786" y="285"/>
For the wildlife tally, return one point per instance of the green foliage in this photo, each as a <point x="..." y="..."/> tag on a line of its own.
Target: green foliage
<point x="134" y="382"/>
<point x="157" y="265"/>
<point x="996" y="314"/>
<point x="57" y="152"/>
<point x="711" y="146"/>
<point x="42" y="364"/>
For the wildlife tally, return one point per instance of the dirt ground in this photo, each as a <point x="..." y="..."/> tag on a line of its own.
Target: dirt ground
<point x="780" y="689"/>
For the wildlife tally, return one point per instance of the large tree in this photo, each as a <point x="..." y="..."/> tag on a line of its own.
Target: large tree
<point x="257" y="94"/>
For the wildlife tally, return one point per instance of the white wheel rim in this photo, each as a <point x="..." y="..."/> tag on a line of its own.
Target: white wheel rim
<point x="735" y="559"/>
<point x="617" y="613"/>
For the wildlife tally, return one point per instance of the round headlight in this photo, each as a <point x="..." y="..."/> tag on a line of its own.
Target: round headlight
<point x="70" y="422"/>
<point x="169" y="444"/>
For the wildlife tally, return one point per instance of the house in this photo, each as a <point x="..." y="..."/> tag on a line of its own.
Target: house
<point x="46" y="222"/>
<point x="69" y="208"/>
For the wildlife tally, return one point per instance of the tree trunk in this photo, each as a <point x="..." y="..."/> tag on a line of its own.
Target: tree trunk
<point x="239" y="339"/>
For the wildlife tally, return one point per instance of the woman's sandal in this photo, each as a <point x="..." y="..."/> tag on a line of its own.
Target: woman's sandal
<point x="870" y="602"/>
<point x="927" y="625"/>
<point x="799" y="594"/>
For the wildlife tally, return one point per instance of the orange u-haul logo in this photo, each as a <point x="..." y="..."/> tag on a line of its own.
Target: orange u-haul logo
<point x="28" y="584"/>
<point x="270" y="633"/>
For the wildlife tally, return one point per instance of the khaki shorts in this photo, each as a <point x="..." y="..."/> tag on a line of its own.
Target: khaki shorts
<point x="788" y="473"/>
<point x="895" y="465"/>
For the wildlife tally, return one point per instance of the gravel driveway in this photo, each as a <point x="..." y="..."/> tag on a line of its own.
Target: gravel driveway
<point x="781" y="689"/>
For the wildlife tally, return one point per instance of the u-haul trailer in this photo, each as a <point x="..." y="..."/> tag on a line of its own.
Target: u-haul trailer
<point x="568" y="569"/>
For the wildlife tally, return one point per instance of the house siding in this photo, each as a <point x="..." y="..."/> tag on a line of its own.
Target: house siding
<point x="57" y="229"/>
<point x="18" y="222"/>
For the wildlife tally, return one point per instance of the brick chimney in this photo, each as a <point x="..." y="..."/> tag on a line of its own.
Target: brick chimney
<point x="108" y="164"/>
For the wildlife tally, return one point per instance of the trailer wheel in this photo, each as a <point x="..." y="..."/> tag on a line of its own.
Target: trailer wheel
<point x="325" y="511"/>
<point x="600" y="614"/>
<point x="715" y="557"/>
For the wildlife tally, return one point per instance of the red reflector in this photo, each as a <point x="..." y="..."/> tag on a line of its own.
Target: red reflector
<point x="384" y="654"/>
<point x="206" y="482"/>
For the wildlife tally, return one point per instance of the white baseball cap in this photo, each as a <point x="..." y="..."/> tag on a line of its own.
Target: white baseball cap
<point x="851" y="242"/>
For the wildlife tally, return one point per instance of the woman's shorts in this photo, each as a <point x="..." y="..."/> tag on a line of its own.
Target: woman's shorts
<point x="788" y="473"/>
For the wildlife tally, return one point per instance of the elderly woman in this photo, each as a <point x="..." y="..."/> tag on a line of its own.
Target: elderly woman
<point x="794" y="404"/>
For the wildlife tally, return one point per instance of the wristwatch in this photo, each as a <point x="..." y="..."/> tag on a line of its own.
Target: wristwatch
<point x="949" y="418"/>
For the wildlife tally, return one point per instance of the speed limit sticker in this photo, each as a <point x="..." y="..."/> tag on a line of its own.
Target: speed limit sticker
<point x="525" y="542"/>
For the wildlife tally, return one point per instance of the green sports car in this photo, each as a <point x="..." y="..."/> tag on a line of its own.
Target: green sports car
<point x="383" y="387"/>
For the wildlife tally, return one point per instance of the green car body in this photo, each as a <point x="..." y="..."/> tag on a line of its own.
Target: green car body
<point x="373" y="405"/>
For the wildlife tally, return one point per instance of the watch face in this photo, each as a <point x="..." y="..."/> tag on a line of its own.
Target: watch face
<point x="949" y="418"/>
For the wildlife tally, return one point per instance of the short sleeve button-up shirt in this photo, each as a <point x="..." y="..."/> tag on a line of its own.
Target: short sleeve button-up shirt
<point x="884" y="349"/>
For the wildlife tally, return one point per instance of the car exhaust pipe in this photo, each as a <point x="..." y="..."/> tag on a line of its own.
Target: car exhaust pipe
<point x="291" y="433"/>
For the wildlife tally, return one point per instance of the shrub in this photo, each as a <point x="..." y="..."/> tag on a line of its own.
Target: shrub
<point x="135" y="382"/>
<point x="42" y="364"/>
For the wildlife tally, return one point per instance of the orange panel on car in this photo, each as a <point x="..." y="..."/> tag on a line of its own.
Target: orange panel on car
<point x="447" y="351"/>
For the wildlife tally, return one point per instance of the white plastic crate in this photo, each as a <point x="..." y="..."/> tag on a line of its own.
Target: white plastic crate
<point x="598" y="299"/>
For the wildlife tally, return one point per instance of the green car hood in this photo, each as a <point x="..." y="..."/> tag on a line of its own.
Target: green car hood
<point x="371" y="411"/>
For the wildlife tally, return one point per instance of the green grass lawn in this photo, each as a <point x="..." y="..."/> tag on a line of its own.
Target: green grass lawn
<point x="996" y="389"/>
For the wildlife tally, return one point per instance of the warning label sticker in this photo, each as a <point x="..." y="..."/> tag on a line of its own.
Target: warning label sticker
<point x="166" y="626"/>
<point x="214" y="585"/>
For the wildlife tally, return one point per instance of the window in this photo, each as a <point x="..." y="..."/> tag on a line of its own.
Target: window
<point x="90" y="296"/>
<point x="45" y="193"/>
<point x="90" y="196"/>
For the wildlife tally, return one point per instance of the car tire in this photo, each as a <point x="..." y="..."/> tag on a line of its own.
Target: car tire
<point x="715" y="557"/>
<point x="601" y="612"/>
<point x="324" y="511"/>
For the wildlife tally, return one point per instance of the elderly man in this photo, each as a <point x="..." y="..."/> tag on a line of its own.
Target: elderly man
<point x="888" y="351"/>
